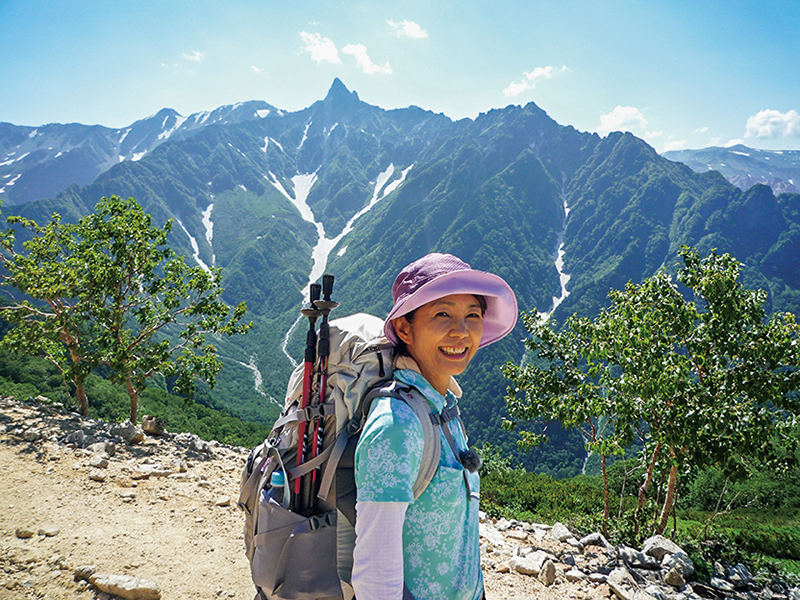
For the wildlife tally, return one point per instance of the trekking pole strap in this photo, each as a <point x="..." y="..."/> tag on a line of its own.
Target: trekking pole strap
<point x="305" y="415"/>
<point x="310" y="465"/>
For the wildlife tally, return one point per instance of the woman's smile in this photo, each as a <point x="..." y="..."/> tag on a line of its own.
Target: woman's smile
<point x="442" y="336"/>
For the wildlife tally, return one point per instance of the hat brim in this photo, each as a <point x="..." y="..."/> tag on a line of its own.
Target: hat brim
<point x="501" y="303"/>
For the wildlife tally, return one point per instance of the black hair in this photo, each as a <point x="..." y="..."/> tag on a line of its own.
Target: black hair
<point x="401" y="348"/>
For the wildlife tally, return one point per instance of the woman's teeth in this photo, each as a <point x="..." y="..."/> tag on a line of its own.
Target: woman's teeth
<point x="453" y="351"/>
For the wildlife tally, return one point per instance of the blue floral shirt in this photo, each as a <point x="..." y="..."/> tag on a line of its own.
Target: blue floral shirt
<point x="441" y="551"/>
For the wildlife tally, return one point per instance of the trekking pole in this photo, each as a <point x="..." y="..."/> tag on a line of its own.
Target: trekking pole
<point x="310" y="311"/>
<point x="324" y="306"/>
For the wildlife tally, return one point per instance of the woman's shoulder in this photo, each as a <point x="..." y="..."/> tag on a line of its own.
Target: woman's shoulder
<point x="388" y="411"/>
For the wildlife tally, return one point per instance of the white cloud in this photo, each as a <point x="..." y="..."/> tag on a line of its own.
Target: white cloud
<point x="734" y="143"/>
<point x="622" y="118"/>
<point x="773" y="124"/>
<point x="701" y="130"/>
<point x="194" y="56"/>
<point x="530" y="79"/>
<point x="649" y="135"/>
<point x="359" y="51"/>
<point x="256" y="69"/>
<point x="408" y="29"/>
<point x="321" y="49"/>
<point x="674" y="145"/>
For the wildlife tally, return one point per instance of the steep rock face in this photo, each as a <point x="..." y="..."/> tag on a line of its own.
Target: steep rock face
<point x="275" y="198"/>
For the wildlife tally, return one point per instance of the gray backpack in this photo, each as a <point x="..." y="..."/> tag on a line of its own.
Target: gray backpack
<point x="308" y="554"/>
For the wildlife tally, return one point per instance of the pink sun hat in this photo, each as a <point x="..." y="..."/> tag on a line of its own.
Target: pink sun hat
<point x="437" y="275"/>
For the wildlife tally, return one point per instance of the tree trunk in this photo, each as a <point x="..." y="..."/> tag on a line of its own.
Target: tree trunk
<point x="606" y="501"/>
<point x="606" y="507"/>
<point x="80" y="393"/>
<point x="668" y="500"/>
<point x="645" y="486"/>
<point x="648" y="479"/>
<point x="134" y="395"/>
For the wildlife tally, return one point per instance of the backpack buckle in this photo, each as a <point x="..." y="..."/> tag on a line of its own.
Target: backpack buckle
<point x="314" y="412"/>
<point x="319" y="521"/>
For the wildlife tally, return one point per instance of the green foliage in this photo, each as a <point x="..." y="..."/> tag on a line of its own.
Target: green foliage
<point x="115" y="294"/>
<point x="25" y="377"/>
<point x="704" y="381"/>
<point x="535" y="497"/>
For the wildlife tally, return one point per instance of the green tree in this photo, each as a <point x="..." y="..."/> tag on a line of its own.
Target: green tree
<point x="701" y="380"/>
<point x="49" y="323"/>
<point x="109" y="291"/>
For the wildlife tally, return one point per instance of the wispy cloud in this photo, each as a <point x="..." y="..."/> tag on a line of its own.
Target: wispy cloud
<point x="407" y="29"/>
<point x="773" y="124"/>
<point x="701" y="130"/>
<point x="321" y="49"/>
<point x="194" y="55"/>
<point x="359" y="51"/>
<point x="530" y="80"/>
<point x="674" y="145"/>
<point x="257" y="69"/>
<point x="622" y="118"/>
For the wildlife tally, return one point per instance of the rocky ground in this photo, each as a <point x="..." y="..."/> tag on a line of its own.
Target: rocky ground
<point x="85" y="514"/>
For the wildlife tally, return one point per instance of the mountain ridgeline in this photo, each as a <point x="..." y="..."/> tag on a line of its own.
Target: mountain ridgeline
<point x="505" y="192"/>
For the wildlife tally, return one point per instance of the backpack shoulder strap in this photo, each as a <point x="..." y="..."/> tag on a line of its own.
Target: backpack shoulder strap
<point x="431" y="423"/>
<point x="432" y="449"/>
<point x="341" y="463"/>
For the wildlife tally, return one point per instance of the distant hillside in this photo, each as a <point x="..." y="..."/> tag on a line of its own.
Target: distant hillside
<point x="361" y="191"/>
<point x="745" y="167"/>
<point x="40" y="162"/>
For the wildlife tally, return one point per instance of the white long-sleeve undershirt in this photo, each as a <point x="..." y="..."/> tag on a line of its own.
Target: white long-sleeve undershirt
<point x="378" y="553"/>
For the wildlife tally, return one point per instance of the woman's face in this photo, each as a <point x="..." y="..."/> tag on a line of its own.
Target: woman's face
<point x="443" y="337"/>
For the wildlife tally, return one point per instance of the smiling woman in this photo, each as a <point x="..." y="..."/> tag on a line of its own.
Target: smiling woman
<point x="426" y="546"/>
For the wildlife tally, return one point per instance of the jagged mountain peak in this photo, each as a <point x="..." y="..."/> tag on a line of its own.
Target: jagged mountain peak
<point x="338" y="92"/>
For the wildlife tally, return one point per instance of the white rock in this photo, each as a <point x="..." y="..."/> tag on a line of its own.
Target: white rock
<point x="130" y="588"/>
<point x="622" y="583"/>
<point x="531" y="564"/>
<point x="560" y="532"/>
<point x="575" y="574"/>
<point x="491" y="535"/>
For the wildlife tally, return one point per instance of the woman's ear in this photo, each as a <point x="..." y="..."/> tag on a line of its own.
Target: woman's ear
<point x="402" y="328"/>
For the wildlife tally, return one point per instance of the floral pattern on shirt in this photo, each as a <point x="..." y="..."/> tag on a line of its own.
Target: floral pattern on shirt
<point x="441" y="553"/>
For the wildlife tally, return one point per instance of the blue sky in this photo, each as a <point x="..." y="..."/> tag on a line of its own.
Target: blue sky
<point x="678" y="73"/>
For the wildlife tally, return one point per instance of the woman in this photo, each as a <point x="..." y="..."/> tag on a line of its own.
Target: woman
<point x="443" y="312"/>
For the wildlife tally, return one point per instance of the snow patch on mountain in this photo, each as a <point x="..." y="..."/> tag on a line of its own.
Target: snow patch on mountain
<point x="195" y="247"/>
<point x="10" y="183"/>
<point x="559" y="263"/>
<point x="305" y="135"/>
<point x="209" y="225"/>
<point x="13" y="160"/>
<point x="164" y="135"/>
<point x="302" y="186"/>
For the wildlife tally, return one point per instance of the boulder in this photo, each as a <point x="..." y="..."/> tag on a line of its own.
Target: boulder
<point x="531" y="564"/>
<point x="124" y="586"/>
<point x="547" y="575"/>
<point x="658" y="546"/>
<point x="153" y="426"/>
<point x="131" y="434"/>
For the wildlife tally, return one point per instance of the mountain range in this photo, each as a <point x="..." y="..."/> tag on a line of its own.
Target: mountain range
<point x="276" y="198"/>
<point x="745" y="167"/>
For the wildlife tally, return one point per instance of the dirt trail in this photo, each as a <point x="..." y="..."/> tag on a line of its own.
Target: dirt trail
<point x="179" y="526"/>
